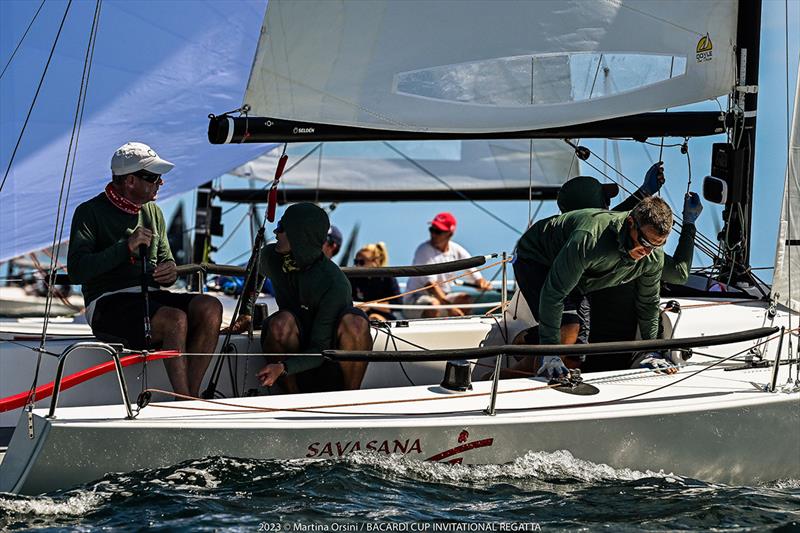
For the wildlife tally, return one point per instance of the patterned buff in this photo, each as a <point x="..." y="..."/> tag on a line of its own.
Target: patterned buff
<point x="122" y="203"/>
<point x="289" y="264"/>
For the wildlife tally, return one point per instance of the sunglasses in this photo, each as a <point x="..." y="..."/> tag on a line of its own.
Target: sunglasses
<point x="278" y="228"/>
<point x="436" y="231"/>
<point x="148" y="176"/>
<point x="641" y="238"/>
<point x="359" y="262"/>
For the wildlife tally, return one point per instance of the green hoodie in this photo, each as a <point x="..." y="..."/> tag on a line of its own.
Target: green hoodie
<point x="306" y="282"/>
<point x="588" y="249"/>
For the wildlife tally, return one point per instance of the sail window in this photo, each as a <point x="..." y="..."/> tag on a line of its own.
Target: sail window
<point x="540" y="79"/>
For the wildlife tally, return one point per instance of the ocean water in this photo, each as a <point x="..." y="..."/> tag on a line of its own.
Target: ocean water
<point x="370" y="493"/>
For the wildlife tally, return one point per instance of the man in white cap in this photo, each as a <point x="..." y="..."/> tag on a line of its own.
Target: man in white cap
<point x="108" y="234"/>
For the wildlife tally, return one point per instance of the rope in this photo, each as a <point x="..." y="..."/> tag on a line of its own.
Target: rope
<point x="434" y="284"/>
<point x="436" y="306"/>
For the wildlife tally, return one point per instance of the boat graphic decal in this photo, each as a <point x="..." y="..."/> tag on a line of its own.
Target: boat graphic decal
<point x="463" y="446"/>
<point x="704" y="49"/>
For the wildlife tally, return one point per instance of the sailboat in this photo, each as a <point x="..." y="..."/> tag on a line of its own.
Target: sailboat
<point x="314" y="81"/>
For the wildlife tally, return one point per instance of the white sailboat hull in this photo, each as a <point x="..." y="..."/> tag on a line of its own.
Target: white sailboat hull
<point x="716" y="426"/>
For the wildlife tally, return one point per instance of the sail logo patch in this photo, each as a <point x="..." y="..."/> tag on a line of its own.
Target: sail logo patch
<point x="704" y="49"/>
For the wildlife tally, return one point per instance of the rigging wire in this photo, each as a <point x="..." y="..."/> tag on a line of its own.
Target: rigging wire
<point x="69" y="167"/>
<point x="788" y="167"/>
<point x="459" y="193"/>
<point x="703" y="240"/>
<point x="66" y="181"/>
<point x="10" y="59"/>
<point x="35" y="96"/>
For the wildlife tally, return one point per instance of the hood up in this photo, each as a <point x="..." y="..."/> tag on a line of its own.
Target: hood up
<point x="306" y="225"/>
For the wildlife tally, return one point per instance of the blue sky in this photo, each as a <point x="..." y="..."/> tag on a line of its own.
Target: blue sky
<point x="403" y="226"/>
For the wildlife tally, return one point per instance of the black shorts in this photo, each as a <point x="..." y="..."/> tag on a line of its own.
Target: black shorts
<point x="120" y="317"/>
<point x="530" y="278"/>
<point x="328" y="376"/>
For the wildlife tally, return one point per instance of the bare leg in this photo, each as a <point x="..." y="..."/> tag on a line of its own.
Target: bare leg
<point x="205" y="317"/>
<point x="169" y="326"/>
<point x="517" y="370"/>
<point x="282" y="336"/>
<point x="353" y="334"/>
<point x="460" y="299"/>
<point x="432" y="313"/>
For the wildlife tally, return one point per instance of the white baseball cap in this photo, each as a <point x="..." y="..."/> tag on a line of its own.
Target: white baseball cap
<point x="132" y="157"/>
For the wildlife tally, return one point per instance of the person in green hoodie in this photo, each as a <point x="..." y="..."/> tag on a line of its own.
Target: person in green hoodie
<point x="562" y="259"/>
<point x="315" y="308"/>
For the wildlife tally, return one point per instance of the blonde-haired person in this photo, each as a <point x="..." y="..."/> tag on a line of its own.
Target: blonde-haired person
<point x="369" y="289"/>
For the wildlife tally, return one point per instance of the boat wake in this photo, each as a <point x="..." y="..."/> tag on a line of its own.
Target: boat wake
<point x="548" y="467"/>
<point x="557" y="489"/>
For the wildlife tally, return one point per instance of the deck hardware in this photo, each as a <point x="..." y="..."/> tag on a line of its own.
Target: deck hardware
<point x="777" y="363"/>
<point x="144" y="399"/>
<point x="62" y="359"/>
<point x="457" y="376"/>
<point x="495" y="381"/>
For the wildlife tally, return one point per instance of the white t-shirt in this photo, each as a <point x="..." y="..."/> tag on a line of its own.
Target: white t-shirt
<point x="427" y="254"/>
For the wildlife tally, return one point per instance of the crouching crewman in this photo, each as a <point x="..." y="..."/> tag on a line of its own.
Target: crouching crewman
<point x="315" y="308"/>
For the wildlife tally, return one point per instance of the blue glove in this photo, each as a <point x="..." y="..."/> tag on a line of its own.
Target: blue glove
<point x="653" y="180"/>
<point x="691" y="208"/>
<point x="552" y="367"/>
<point x="656" y="361"/>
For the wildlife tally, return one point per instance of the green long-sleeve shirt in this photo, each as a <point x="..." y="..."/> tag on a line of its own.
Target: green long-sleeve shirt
<point x="98" y="257"/>
<point x="307" y="283"/>
<point x="587" y="249"/>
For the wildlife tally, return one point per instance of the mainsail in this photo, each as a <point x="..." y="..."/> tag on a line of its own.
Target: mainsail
<point x="785" y="282"/>
<point x="466" y="166"/>
<point x="479" y="67"/>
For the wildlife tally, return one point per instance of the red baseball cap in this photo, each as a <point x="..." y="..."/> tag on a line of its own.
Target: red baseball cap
<point x="444" y="222"/>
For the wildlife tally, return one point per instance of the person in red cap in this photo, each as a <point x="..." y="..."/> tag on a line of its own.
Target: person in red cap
<point x="440" y="248"/>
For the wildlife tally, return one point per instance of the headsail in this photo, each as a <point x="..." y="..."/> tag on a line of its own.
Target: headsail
<point x="156" y="74"/>
<point x="421" y="166"/>
<point x="474" y="67"/>
<point x="787" y="254"/>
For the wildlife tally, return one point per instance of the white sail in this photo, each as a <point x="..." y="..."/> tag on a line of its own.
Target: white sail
<point x="454" y="66"/>
<point x="786" y="278"/>
<point x="420" y="166"/>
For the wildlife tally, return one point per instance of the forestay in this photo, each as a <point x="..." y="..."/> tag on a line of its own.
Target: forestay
<point x="786" y="283"/>
<point x="421" y="166"/>
<point x="475" y="67"/>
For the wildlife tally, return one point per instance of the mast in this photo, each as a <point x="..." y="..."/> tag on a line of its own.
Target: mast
<point x="735" y="235"/>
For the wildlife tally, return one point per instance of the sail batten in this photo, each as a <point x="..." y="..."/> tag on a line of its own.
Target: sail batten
<point x="479" y="67"/>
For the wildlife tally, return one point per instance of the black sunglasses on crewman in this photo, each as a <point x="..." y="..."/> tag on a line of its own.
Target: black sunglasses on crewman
<point x="148" y="176"/>
<point x="641" y="238"/>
